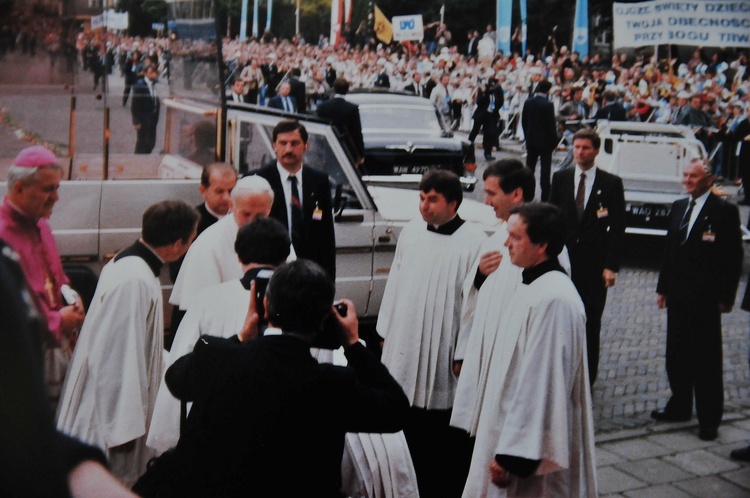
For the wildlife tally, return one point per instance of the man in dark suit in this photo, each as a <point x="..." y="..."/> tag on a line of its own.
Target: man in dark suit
<point x="284" y="100"/>
<point x="611" y="109"/>
<point x="237" y="92"/>
<point x="593" y="203"/>
<point x="697" y="283"/>
<point x="268" y="419"/>
<point x="145" y="111"/>
<point x="344" y="116"/>
<point x="540" y="130"/>
<point x="487" y="116"/>
<point x="307" y="214"/>
<point x="472" y="48"/>
<point x="297" y="90"/>
<point x="416" y="87"/>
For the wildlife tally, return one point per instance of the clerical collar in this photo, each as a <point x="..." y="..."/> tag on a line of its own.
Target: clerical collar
<point x="531" y="274"/>
<point x="143" y="251"/>
<point x="260" y="272"/>
<point x="213" y="213"/>
<point x="15" y="209"/>
<point x="448" y="228"/>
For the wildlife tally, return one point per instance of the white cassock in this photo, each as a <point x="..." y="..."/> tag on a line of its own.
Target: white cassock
<point x="210" y="260"/>
<point x="421" y="309"/>
<point x="110" y="388"/>
<point x="537" y="404"/>
<point x="480" y="327"/>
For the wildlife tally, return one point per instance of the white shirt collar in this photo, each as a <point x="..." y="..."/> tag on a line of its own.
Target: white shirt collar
<point x="590" y="174"/>
<point x="284" y="173"/>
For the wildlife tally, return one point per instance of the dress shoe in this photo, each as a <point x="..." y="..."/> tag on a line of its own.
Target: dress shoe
<point x="742" y="454"/>
<point x="662" y="415"/>
<point x="489" y="157"/>
<point x="708" y="433"/>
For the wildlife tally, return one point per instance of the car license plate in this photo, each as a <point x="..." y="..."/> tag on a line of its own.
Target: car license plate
<point x="414" y="168"/>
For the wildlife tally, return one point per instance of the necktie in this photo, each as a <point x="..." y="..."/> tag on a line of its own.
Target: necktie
<point x="581" y="195"/>
<point x="685" y="223"/>
<point x="296" y="207"/>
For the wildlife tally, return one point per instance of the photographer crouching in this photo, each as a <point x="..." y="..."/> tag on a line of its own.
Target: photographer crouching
<point x="267" y="419"/>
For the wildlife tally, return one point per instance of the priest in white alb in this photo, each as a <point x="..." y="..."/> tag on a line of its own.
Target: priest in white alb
<point x="211" y="259"/>
<point x="219" y="310"/>
<point x="109" y="391"/>
<point x="535" y="434"/>
<point x="419" y="321"/>
<point x="489" y="285"/>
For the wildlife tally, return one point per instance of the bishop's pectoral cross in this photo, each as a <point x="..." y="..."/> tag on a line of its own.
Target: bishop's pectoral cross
<point x="50" y="288"/>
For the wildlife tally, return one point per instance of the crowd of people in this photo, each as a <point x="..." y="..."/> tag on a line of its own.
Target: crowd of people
<point x="490" y="345"/>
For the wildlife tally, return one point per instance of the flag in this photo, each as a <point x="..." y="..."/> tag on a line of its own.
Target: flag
<point x="243" y="21"/>
<point x="255" y="18"/>
<point x="268" y="15"/>
<point x="383" y="28"/>
<point x="581" y="28"/>
<point x="336" y="18"/>
<point x="504" y="11"/>
<point x="523" y="27"/>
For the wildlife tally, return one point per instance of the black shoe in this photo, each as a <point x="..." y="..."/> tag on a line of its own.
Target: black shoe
<point x="742" y="454"/>
<point x="708" y="433"/>
<point x="662" y="415"/>
<point x="489" y="157"/>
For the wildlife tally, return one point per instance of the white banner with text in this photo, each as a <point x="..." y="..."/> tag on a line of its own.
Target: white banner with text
<point x="707" y="23"/>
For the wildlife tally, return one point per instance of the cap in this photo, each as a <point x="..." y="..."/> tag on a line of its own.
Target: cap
<point x="35" y="156"/>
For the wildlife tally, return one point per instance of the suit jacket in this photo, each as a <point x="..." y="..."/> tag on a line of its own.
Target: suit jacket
<point x="317" y="240"/>
<point x="276" y="102"/>
<point x="706" y="268"/>
<point x="483" y="102"/>
<point x="412" y="88"/>
<point x="299" y="92"/>
<point x="269" y="420"/>
<point x="613" y="112"/>
<point x="144" y="108"/>
<point x="595" y="241"/>
<point x="538" y="121"/>
<point x="344" y="115"/>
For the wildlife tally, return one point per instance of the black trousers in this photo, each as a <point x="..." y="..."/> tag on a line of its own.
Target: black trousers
<point x="544" y="155"/>
<point x="694" y="361"/>
<point x="594" y="296"/>
<point x="146" y="138"/>
<point x="441" y="454"/>
<point x="491" y="131"/>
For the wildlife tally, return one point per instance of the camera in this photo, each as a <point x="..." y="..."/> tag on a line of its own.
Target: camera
<point x="329" y="337"/>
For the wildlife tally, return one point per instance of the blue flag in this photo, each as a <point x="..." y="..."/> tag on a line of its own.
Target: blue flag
<point x="581" y="28"/>
<point x="504" y="11"/>
<point x="268" y="15"/>
<point x="523" y="27"/>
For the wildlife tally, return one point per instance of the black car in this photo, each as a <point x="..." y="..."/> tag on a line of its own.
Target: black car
<point x="405" y="134"/>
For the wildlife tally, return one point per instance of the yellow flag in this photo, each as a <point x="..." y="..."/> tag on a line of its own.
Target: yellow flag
<point x="383" y="28"/>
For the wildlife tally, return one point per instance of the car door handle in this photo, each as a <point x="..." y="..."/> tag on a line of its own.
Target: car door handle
<point x="352" y="218"/>
<point x="384" y="239"/>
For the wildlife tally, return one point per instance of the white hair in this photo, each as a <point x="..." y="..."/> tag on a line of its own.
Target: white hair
<point x="25" y="174"/>
<point x="250" y="185"/>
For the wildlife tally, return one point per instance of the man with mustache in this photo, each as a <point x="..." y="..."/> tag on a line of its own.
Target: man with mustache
<point x="302" y="197"/>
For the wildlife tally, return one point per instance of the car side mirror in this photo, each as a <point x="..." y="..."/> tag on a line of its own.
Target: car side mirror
<point x="608" y="145"/>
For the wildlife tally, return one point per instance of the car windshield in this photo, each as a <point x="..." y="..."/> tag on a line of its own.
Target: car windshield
<point x="382" y="119"/>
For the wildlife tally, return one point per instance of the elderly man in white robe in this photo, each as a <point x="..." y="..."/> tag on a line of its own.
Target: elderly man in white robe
<point x="109" y="391"/>
<point x="490" y="284"/>
<point x="535" y="434"/>
<point x="212" y="260"/>
<point x="220" y="310"/>
<point x="419" y="320"/>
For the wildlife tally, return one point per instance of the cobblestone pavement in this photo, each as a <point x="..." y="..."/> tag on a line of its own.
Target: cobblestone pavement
<point x="636" y="457"/>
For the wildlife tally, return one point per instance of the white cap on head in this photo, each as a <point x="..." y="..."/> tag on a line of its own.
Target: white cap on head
<point x="252" y="184"/>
